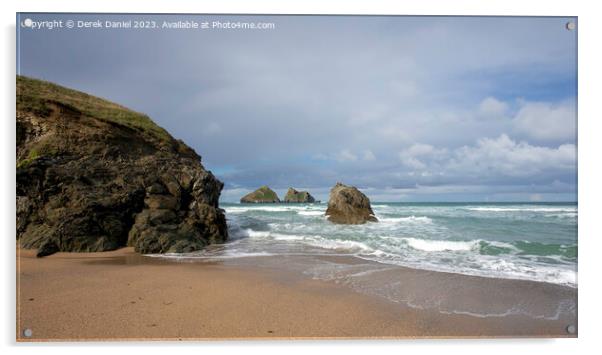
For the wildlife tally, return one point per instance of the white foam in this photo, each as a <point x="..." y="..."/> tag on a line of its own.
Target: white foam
<point x="369" y="272"/>
<point x="563" y="215"/>
<point x="512" y="269"/>
<point x="201" y="255"/>
<point x="399" y="239"/>
<point x="440" y="245"/>
<point x="509" y="312"/>
<point x="502" y="245"/>
<point x="311" y="213"/>
<point x="262" y="208"/>
<point x="244" y="254"/>
<point x="272" y="209"/>
<point x="320" y="242"/>
<point x="256" y="234"/>
<point x="409" y="219"/>
<point x="519" y="209"/>
<point x="288" y="237"/>
<point x="235" y="209"/>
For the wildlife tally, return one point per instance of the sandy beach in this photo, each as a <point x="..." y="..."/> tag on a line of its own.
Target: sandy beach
<point x="122" y="295"/>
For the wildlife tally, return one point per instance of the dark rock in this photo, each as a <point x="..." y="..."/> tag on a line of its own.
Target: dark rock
<point x="262" y="195"/>
<point x="161" y="202"/>
<point x="95" y="176"/>
<point x="185" y="246"/>
<point x="48" y="247"/>
<point x="172" y="185"/>
<point x="155" y="189"/>
<point x="155" y="217"/>
<point x="294" y="196"/>
<point x="347" y="205"/>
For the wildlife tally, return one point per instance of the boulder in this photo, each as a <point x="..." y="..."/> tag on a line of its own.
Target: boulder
<point x="348" y="205"/>
<point x="48" y="247"/>
<point x="262" y="195"/>
<point x="94" y="176"/>
<point x="294" y="196"/>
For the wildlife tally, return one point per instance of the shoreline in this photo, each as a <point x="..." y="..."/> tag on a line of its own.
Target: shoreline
<point x="192" y="259"/>
<point x="444" y="237"/>
<point x="135" y="297"/>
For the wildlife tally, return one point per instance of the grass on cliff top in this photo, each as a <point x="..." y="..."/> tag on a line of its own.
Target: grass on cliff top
<point x="34" y="96"/>
<point x="264" y="193"/>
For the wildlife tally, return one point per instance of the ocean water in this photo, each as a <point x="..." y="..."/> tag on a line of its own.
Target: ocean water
<point x="531" y="241"/>
<point x="524" y="241"/>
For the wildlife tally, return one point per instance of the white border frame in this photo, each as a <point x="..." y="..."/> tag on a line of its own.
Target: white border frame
<point x="590" y="235"/>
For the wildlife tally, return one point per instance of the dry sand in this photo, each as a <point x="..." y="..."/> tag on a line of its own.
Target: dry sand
<point x="120" y="295"/>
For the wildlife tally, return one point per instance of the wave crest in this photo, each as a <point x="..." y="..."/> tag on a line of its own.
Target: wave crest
<point x="441" y="245"/>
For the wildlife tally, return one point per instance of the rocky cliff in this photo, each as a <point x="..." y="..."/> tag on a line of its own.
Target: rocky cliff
<point x="348" y="205"/>
<point x="294" y="196"/>
<point x="262" y="195"/>
<point x="93" y="176"/>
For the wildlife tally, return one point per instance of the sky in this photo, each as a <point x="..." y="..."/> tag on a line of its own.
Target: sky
<point x="405" y="108"/>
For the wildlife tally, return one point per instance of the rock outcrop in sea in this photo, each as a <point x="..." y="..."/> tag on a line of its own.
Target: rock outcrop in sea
<point x="348" y="205"/>
<point x="262" y="195"/>
<point x="294" y="196"/>
<point x="94" y="176"/>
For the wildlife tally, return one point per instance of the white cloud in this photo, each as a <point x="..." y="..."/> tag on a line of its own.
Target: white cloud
<point x="420" y="149"/>
<point x="412" y="156"/>
<point x="546" y="121"/>
<point x="346" y="156"/>
<point x="369" y="114"/>
<point x="320" y="156"/>
<point x="491" y="107"/>
<point x="368" y="155"/>
<point x="391" y="133"/>
<point x="404" y="88"/>
<point x="493" y="158"/>
<point x="508" y="157"/>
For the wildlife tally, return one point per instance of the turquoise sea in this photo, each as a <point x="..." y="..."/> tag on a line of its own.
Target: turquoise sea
<point x="532" y="241"/>
<point x="499" y="241"/>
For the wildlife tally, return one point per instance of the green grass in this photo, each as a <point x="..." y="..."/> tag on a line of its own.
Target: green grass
<point x="33" y="155"/>
<point x="263" y="193"/>
<point x="36" y="96"/>
<point x="42" y="148"/>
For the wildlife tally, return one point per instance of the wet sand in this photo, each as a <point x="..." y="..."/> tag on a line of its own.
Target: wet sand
<point x="120" y="295"/>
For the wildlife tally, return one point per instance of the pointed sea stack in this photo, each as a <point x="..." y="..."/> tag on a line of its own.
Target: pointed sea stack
<point x="294" y="196"/>
<point x="347" y="205"/>
<point x="262" y="195"/>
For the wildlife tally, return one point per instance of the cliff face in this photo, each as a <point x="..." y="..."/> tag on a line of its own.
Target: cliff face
<point x="262" y="195"/>
<point x="294" y="196"/>
<point x="95" y="176"/>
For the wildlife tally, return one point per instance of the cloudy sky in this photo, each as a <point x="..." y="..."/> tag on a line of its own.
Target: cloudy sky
<point x="405" y="108"/>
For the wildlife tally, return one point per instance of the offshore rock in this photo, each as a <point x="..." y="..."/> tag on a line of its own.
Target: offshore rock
<point x="262" y="195"/>
<point x="294" y="196"/>
<point x="348" y="205"/>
